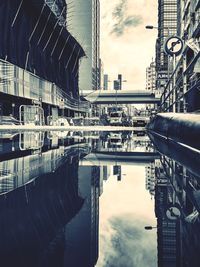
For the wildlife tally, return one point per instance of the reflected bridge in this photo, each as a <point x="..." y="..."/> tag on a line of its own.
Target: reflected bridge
<point x="122" y="97"/>
<point x="121" y="158"/>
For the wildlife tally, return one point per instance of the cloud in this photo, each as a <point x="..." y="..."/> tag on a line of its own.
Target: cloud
<point x="123" y="21"/>
<point x="126" y="244"/>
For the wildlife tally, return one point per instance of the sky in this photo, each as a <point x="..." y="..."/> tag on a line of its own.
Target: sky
<point x="125" y="208"/>
<point x="126" y="46"/>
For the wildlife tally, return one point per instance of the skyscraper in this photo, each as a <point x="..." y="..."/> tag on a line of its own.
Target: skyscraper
<point x="82" y="233"/>
<point x="167" y="26"/>
<point x="105" y="82"/>
<point x="83" y="22"/>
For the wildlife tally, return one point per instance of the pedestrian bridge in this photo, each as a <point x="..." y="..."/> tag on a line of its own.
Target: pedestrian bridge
<point x="122" y="97"/>
<point x="121" y="158"/>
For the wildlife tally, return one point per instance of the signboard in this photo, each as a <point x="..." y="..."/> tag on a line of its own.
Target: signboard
<point x="162" y="76"/>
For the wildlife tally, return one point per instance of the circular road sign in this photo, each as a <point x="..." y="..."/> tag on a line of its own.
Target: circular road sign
<point x="173" y="212"/>
<point x="173" y="46"/>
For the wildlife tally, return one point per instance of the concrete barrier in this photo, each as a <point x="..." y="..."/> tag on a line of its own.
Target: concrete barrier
<point x="179" y="127"/>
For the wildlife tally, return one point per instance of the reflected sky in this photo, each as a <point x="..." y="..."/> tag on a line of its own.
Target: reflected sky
<point x="125" y="208"/>
<point x="84" y="200"/>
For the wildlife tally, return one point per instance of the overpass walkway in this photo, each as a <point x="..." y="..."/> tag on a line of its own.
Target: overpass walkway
<point x="122" y="97"/>
<point x="93" y="128"/>
<point x="123" y="158"/>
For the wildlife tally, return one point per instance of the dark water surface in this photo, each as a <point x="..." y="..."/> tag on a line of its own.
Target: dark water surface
<point x="84" y="199"/>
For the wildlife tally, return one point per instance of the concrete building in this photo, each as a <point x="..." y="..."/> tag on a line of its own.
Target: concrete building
<point x="168" y="234"/>
<point x="190" y="59"/>
<point x="117" y="170"/>
<point x="151" y="77"/>
<point x="150" y="178"/>
<point x="41" y="66"/>
<point x="167" y="26"/>
<point x="117" y="84"/>
<point x="184" y="83"/>
<point x="84" y="24"/>
<point x="82" y="233"/>
<point x="101" y="74"/>
<point x="105" y="83"/>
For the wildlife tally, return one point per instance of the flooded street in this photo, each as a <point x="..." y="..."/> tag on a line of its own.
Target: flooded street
<point x="86" y="199"/>
<point x="99" y="133"/>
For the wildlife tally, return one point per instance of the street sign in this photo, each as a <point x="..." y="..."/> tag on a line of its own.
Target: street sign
<point x="173" y="46"/>
<point x="173" y="212"/>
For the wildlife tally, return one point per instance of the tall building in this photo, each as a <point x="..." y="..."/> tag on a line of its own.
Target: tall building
<point x="82" y="233"/>
<point x="117" y="84"/>
<point x="39" y="62"/>
<point x="150" y="178"/>
<point x="167" y="26"/>
<point x="84" y="24"/>
<point x="151" y="77"/>
<point x="117" y="170"/>
<point x="101" y="74"/>
<point x="191" y="35"/>
<point x="184" y="87"/>
<point x="105" y="82"/>
<point x="168" y="234"/>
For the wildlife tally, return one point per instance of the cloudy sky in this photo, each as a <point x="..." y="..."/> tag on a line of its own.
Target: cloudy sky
<point x="125" y="208"/>
<point x="126" y="46"/>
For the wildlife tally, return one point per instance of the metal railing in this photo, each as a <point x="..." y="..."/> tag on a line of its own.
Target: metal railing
<point x="18" y="82"/>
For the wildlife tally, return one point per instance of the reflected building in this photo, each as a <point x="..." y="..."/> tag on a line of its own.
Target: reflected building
<point x="168" y="235"/>
<point x="82" y="233"/>
<point x="106" y="80"/>
<point x="150" y="178"/>
<point x="117" y="170"/>
<point x="29" y="155"/>
<point x="177" y="204"/>
<point x="33" y="217"/>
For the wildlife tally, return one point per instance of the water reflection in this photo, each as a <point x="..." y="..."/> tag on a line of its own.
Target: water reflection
<point x="177" y="203"/>
<point x="52" y="186"/>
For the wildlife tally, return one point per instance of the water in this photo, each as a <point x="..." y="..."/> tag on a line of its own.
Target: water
<point x="83" y="199"/>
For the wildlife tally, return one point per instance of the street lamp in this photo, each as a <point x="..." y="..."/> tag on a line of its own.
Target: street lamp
<point x="150" y="27"/>
<point x="150" y="227"/>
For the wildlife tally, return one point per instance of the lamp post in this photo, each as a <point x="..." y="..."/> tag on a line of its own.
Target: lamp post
<point x="150" y="227"/>
<point x="151" y="27"/>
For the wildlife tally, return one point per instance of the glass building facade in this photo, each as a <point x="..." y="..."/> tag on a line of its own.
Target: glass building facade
<point x="83" y="22"/>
